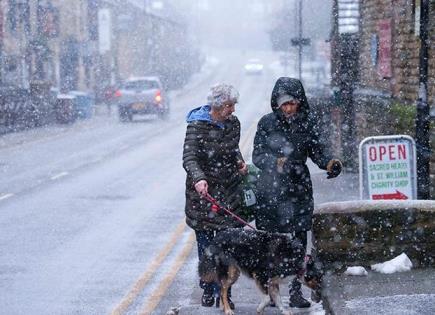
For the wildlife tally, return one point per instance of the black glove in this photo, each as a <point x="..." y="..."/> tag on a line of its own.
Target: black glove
<point x="333" y="169"/>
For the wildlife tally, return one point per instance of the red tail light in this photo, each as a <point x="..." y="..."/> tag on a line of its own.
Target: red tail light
<point x="158" y="96"/>
<point x="117" y="93"/>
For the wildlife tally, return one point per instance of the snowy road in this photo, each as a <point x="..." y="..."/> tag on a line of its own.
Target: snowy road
<point x="92" y="213"/>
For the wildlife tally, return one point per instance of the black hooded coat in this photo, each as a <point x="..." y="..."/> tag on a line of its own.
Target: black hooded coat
<point x="285" y="199"/>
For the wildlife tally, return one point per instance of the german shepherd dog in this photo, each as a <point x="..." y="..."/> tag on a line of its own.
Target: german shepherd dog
<point x="263" y="256"/>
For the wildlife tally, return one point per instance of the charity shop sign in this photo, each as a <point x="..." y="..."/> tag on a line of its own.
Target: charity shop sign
<point x="388" y="168"/>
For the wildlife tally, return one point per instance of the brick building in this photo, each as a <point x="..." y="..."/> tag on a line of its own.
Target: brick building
<point x="43" y="41"/>
<point x="384" y="76"/>
<point x="389" y="49"/>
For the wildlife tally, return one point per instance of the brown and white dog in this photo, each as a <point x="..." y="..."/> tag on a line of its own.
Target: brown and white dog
<point x="263" y="256"/>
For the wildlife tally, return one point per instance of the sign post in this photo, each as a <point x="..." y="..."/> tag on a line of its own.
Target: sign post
<point x="388" y="168"/>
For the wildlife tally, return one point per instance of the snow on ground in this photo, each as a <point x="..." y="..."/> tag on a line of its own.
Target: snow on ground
<point x="397" y="264"/>
<point x="356" y="271"/>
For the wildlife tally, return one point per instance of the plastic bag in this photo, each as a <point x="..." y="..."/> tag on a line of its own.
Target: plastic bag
<point x="249" y="191"/>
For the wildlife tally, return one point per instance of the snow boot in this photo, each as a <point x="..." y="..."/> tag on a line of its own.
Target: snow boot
<point x="296" y="298"/>
<point x="207" y="298"/>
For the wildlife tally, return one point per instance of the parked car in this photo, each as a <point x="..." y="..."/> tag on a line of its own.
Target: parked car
<point x="254" y="66"/>
<point x="140" y="96"/>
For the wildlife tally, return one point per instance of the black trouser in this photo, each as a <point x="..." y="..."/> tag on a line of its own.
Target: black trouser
<point x="302" y="236"/>
<point x="295" y="285"/>
<point x="203" y="239"/>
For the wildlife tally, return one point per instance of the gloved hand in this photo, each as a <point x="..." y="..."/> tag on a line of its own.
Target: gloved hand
<point x="333" y="169"/>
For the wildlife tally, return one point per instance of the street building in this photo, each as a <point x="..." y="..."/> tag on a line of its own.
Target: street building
<point x="376" y="71"/>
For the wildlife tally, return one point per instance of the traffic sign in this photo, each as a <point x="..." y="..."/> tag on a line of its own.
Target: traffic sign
<point x="388" y="168"/>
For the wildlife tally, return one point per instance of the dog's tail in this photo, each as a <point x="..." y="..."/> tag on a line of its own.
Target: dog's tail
<point x="208" y="265"/>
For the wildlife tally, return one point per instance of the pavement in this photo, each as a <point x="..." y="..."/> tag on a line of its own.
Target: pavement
<point x="411" y="292"/>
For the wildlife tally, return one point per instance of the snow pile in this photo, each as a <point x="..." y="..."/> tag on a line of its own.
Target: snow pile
<point x="398" y="264"/>
<point x="356" y="271"/>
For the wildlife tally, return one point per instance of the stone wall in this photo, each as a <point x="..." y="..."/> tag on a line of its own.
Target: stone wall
<point x="360" y="233"/>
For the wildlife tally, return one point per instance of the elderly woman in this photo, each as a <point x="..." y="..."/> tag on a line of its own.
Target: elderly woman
<point x="214" y="165"/>
<point x="285" y="139"/>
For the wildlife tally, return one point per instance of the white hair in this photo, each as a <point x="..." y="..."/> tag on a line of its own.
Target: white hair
<point x="221" y="93"/>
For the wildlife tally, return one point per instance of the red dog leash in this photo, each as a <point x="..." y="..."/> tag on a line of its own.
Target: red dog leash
<point x="215" y="207"/>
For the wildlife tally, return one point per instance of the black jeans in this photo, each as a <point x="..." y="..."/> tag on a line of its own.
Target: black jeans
<point x="203" y="239"/>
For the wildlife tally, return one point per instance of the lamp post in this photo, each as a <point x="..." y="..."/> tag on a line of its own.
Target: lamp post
<point x="300" y="41"/>
<point x="422" y="123"/>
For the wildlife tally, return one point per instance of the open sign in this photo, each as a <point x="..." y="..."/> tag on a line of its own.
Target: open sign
<point x="388" y="168"/>
<point x="390" y="152"/>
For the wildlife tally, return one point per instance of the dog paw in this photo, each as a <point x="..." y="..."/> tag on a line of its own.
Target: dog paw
<point x="230" y="312"/>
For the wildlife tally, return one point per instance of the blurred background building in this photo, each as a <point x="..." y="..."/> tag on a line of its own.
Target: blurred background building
<point x="89" y="44"/>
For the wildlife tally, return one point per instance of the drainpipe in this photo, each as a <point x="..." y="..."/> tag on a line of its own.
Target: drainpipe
<point x="422" y="121"/>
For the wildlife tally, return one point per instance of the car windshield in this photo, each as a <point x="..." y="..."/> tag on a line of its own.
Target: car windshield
<point x="140" y="85"/>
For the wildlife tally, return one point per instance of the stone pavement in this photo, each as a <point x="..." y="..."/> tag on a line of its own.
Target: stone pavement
<point x="246" y="297"/>
<point x="411" y="292"/>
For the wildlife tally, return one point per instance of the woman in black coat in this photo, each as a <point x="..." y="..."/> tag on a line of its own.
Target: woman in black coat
<point x="214" y="165"/>
<point x="285" y="138"/>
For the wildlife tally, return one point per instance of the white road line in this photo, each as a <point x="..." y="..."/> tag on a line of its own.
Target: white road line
<point x="59" y="175"/>
<point x="5" y="196"/>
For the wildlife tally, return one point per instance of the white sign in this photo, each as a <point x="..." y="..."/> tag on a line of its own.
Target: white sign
<point x="388" y="168"/>
<point x="104" y="30"/>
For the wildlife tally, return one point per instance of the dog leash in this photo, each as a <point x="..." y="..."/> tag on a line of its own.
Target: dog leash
<point x="215" y="207"/>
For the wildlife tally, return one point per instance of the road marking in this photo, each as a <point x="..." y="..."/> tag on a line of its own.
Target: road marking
<point x="146" y="276"/>
<point x="159" y="292"/>
<point x="59" y="175"/>
<point x="5" y="196"/>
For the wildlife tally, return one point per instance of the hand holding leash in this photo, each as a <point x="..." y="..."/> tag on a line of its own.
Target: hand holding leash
<point x="201" y="187"/>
